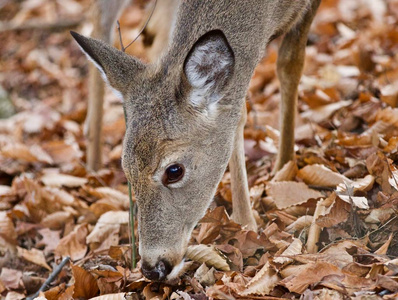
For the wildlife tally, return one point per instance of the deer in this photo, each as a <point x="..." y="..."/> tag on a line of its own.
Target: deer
<point x="185" y="112"/>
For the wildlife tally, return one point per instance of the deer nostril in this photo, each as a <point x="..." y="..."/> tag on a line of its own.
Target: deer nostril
<point x="157" y="273"/>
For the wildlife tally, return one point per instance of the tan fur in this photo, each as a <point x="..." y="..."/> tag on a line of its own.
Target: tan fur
<point x="163" y="126"/>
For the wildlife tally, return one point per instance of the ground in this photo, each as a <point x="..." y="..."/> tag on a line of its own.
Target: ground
<point x="327" y="221"/>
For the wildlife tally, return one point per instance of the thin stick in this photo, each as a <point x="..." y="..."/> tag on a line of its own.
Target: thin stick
<point x="315" y="230"/>
<point x="143" y="27"/>
<point x="54" y="274"/>
<point x="132" y="206"/>
<point x="132" y="217"/>
<point x="120" y="36"/>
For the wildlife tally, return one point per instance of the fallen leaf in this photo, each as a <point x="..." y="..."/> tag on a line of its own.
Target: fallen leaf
<point x="319" y="175"/>
<point x="85" y="284"/>
<point x="263" y="283"/>
<point x="310" y="273"/>
<point x="118" y="296"/>
<point x="73" y="244"/>
<point x="208" y="255"/>
<point x="107" y="223"/>
<point x="11" y="279"/>
<point x="294" y="248"/>
<point x="205" y="275"/>
<point x="59" y="180"/>
<point x="35" y="256"/>
<point x="289" y="193"/>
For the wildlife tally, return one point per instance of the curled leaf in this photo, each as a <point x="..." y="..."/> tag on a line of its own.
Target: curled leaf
<point x="208" y="255"/>
<point x="263" y="283"/>
<point x="321" y="176"/>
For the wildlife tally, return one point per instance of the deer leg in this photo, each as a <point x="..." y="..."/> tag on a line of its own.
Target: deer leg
<point x="242" y="212"/>
<point x="103" y="17"/>
<point x="289" y="68"/>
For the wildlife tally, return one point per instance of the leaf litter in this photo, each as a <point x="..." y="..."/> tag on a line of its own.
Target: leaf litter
<point x="327" y="221"/>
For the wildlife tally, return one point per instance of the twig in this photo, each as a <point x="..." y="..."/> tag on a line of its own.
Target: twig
<point x="35" y="25"/>
<point x="132" y="225"/>
<point x="315" y="230"/>
<point x="120" y="36"/>
<point x="138" y="35"/>
<point x="145" y="25"/>
<point x="54" y="274"/>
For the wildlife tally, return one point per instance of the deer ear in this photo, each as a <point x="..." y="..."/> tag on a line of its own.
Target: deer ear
<point x="208" y="67"/>
<point x="116" y="67"/>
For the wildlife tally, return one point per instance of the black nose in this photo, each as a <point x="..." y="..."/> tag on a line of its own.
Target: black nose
<point x="157" y="273"/>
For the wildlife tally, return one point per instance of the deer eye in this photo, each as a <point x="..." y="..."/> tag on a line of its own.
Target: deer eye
<point x="173" y="173"/>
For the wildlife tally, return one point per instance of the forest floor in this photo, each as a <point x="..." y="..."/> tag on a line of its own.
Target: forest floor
<point x="327" y="221"/>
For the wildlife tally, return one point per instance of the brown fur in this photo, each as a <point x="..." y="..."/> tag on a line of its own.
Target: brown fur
<point x="162" y="123"/>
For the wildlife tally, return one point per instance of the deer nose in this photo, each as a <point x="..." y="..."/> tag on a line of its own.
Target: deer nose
<point x="157" y="273"/>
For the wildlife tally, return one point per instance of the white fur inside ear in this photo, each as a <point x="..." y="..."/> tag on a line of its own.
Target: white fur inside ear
<point x="208" y="68"/>
<point x="205" y="62"/>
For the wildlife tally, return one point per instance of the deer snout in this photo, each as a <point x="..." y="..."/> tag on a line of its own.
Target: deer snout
<point x="158" y="272"/>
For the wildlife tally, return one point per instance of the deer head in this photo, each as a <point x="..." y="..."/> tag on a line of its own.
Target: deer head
<point x="182" y="113"/>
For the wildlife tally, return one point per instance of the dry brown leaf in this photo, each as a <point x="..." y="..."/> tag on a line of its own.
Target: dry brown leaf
<point x="118" y="296"/>
<point x="287" y="173"/>
<point x="85" y="284"/>
<point x="319" y="175"/>
<point x="35" y="256"/>
<point x="363" y="184"/>
<point x="263" y="283"/>
<point x="289" y="193"/>
<point x="388" y="115"/>
<point x="337" y="253"/>
<point x="336" y="213"/>
<point x="205" y="275"/>
<point x="2" y="287"/>
<point x="208" y="255"/>
<point x="8" y="235"/>
<point x="106" y="223"/>
<point x="379" y="215"/>
<point x="383" y="249"/>
<point x="11" y="295"/>
<point x="389" y="94"/>
<point x="62" y="197"/>
<point x="303" y="222"/>
<point x="308" y="274"/>
<point x="58" y="180"/>
<point x="322" y="113"/>
<point x="11" y="279"/>
<point x="74" y="244"/>
<point x="107" y="192"/>
<point x="360" y="202"/>
<point x="323" y="294"/>
<point x="62" y="152"/>
<point x="57" y="220"/>
<point x="294" y="248"/>
<point x="30" y="154"/>
<point x="50" y="239"/>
